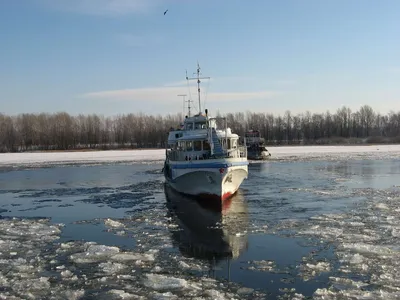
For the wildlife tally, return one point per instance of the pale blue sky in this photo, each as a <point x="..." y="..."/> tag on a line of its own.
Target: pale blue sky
<point x="121" y="56"/>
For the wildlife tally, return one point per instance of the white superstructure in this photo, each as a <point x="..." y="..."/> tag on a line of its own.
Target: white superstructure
<point x="204" y="160"/>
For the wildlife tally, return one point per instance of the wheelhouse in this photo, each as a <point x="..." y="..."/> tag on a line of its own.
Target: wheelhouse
<point x="200" y="139"/>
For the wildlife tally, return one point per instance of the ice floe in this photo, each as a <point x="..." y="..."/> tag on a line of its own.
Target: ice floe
<point x="367" y="247"/>
<point x="34" y="265"/>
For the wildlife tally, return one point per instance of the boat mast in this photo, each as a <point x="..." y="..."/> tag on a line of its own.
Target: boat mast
<point x="198" y="83"/>
<point x="184" y="101"/>
<point x="188" y="101"/>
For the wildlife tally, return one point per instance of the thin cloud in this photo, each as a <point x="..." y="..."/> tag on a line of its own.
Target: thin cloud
<point x="104" y="7"/>
<point x="184" y="83"/>
<point x="236" y="79"/>
<point x="232" y="80"/>
<point x="176" y="83"/>
<point x="164" y="94"/>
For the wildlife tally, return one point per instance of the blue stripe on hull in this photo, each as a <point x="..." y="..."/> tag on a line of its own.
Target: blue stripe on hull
<point x="208" y="165"/>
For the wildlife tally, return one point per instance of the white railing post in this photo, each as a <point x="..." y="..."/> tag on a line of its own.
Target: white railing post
<point x="226" y="135"/>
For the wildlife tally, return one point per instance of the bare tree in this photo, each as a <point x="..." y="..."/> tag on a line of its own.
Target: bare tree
<point x="62" y="131"/>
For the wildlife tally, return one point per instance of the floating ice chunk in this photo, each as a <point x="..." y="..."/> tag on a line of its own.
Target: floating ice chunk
<point x="381" y="206"/>
<point x="6" y="296"/>
<point x="322" y="231"/>
<point x="324" y="294"/>
<point x="126" y="277"/>
<point x="196" y="267"/>
<point x="66" y="273"/>
<point x="360" y="237"/>
<point x="347" y="281"/>
<point x="138" y="262"/>
<point x="67" y="246"/>
<point x="112" y="268"/>
<point x="32" y="285"/>
<point x="111" y="223"/>
<point x="262" y="265"/>
<point x="94" y="253"/>
<point x="327" y="217"/>
<point x="297" y="296"/>
<point x="183" y="265"/>
<point x="368" y="249"/>
<point x="352" y="223"/>
<point x="320" y="266"/>
<point x="358" y="294"/>
<point x="164" y="283"/>
<point x="73" y="295"/>
<point x="164" y="296"/>
<point x="216" y="295"/>
<point x="121" y="294"/>
<point x="35" y="230"/>
<point x="158" y="223"/>
<point x="309" y="270"/>
<point x="157" y="269"/>
<point x="356" y="259"/>
<point x="245" y="291"/>
<point x="3" y="281"/>
<point x="396" y="232"/>
<point x="128" y="256"/>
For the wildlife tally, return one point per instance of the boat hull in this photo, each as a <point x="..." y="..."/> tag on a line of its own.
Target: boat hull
<point x="218" y="180"/>
<point x="258" y="155"/>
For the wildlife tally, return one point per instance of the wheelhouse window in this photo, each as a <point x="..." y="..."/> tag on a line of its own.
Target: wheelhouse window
<point x="178" y="135"/>
<point x="197" y="145"/>
<point x="181" y="146"/>
<point x="223" y="143"/>
<point x="189" y="126"/>
<point x="189" y="146"/>
<point x="234" y="143"/>
<point x="206" y="145"/>
<point x="172" y="146"/>
<point x="200" y="125"/>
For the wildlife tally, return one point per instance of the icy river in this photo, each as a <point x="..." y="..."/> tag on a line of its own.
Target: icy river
<point x="311" y="223"/>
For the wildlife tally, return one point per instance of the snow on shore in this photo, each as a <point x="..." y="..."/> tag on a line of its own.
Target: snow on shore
<point x="28" y="158"/>
<point x="278" y="153"/>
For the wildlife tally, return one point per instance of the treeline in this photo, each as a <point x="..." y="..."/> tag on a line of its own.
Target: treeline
<point x="61" y="131"/>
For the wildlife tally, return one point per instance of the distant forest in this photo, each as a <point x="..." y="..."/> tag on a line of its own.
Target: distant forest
<point x="61" y="131"/>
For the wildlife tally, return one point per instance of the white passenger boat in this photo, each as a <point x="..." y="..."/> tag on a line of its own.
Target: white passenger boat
<point x="203" y="160"/>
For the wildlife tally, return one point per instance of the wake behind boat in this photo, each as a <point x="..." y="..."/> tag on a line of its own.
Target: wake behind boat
<point x="203" y="160"/>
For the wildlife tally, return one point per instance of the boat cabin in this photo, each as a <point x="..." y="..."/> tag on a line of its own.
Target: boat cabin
<point x="253" y="137"/>
<point x="199" y="139"/>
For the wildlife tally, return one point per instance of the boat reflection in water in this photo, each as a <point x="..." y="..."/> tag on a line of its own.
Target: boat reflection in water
<point x="209" y="230"/>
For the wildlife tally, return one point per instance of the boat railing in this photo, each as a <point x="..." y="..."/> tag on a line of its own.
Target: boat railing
<point x="175" y="155"/>
<point x="239" y="152"/>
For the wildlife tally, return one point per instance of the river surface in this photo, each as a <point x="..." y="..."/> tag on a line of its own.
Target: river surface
<point x="297" y="229"/>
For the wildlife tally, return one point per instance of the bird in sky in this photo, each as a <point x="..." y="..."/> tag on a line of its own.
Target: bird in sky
<point x="165" y="12"/>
